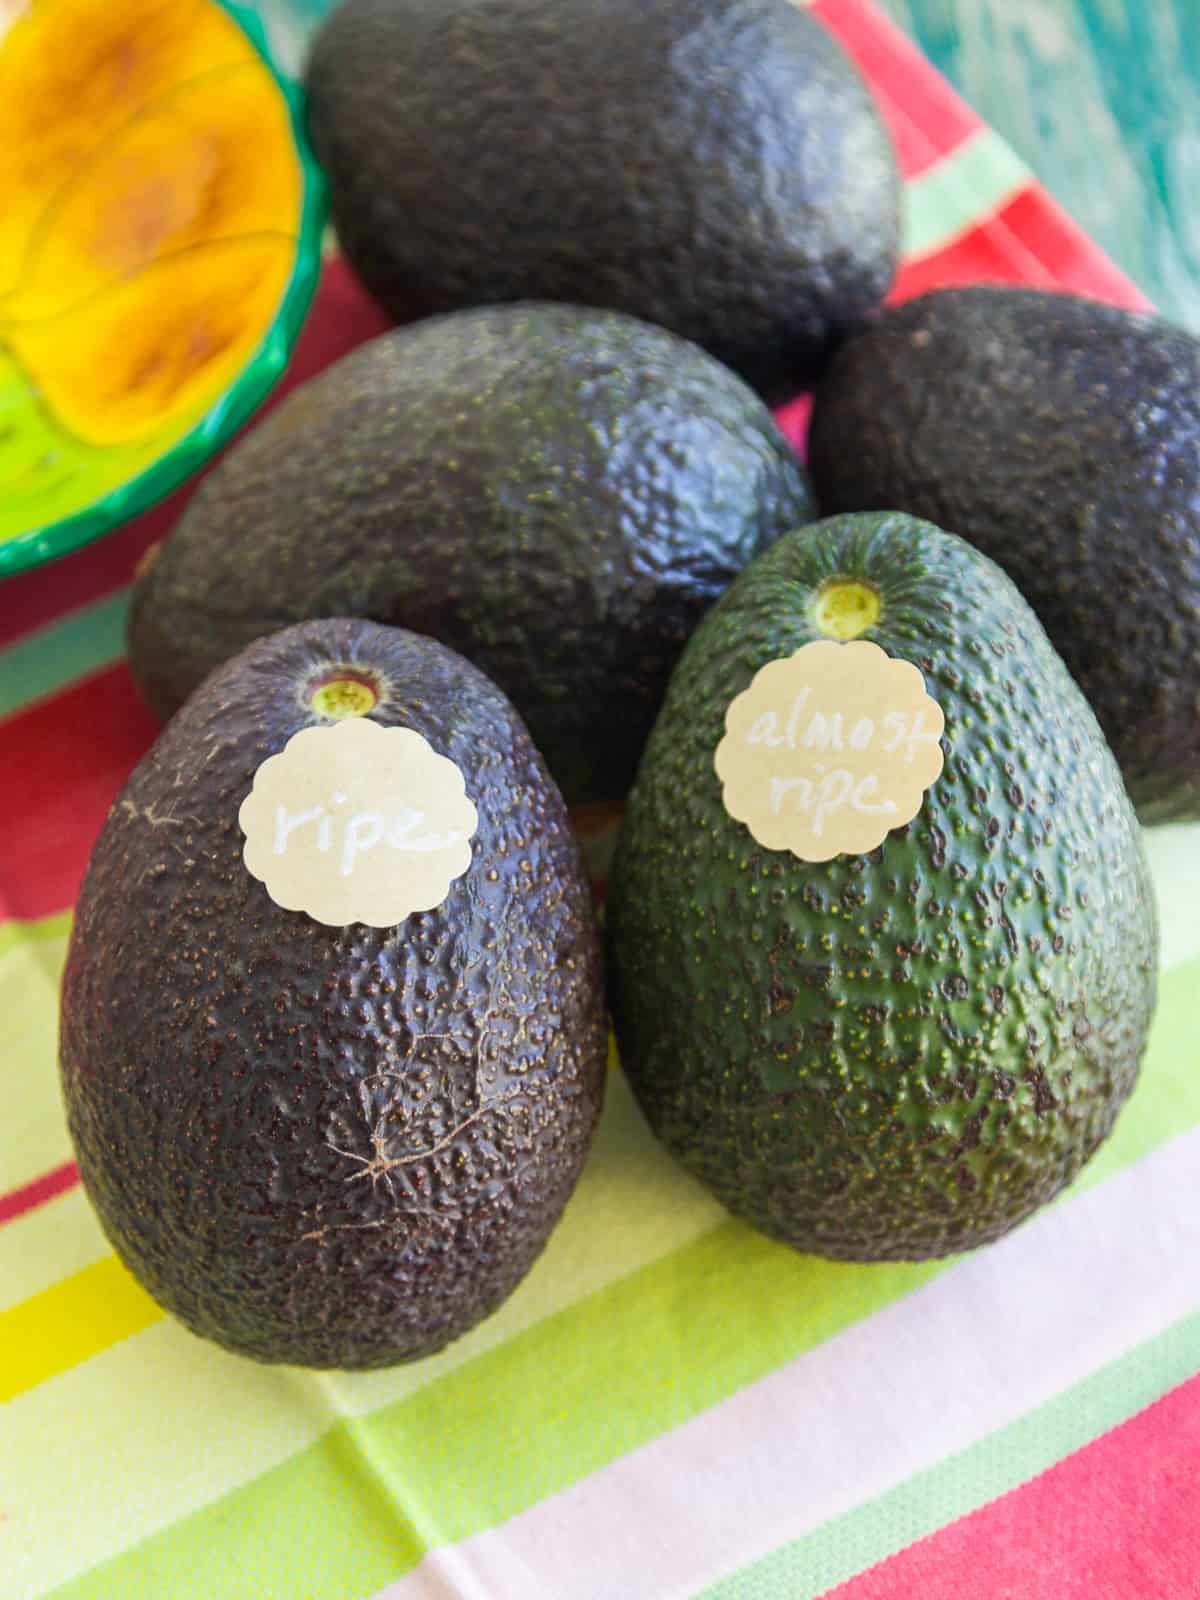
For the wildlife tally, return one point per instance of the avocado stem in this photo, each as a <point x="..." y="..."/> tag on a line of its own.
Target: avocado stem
<point x="845" y="607"/>
<point x="343" y="694"/>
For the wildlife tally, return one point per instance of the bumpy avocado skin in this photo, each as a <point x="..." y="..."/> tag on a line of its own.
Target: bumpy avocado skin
<point x="715" y="166"/>
<point x="332" y="1147"/>
<point x="903" y="1054"/>
<point x="1062" y="438"/>
<point x="557" y="493"/>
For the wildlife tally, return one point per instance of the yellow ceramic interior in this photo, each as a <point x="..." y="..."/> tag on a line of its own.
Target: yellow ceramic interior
<point x="150" y="213"/>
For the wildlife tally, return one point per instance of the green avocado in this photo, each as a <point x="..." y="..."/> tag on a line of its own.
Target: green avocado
<point x="1062" y="438"/>
<point x="337" y="1146"/>
<point x="557" y="493"/>
<point x="714" y="166"/>
<point x="899" y="1054"/>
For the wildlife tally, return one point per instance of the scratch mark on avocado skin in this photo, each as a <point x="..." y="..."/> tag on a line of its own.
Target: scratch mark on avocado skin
<point x="379" y="1164"/>
<point x="148" y="814"/>
<point x="442" y="1218"/>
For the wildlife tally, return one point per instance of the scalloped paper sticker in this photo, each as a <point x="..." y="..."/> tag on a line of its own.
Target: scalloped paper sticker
<point x="830" y="749"/>
<point x="355" y="822"/>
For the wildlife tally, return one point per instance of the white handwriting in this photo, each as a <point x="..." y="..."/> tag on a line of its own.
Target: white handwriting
<point x="828" y="732"/>
<point x="362" y="831"/>
<point x="835" y="789"/>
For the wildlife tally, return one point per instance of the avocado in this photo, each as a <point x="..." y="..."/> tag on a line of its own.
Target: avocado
<point x="898" y="1054"/>
<point x="555" y="492"/>
<point x="1062" y="438"/>
<point x="714" y="166"/>
<point x="337" y="1146"/>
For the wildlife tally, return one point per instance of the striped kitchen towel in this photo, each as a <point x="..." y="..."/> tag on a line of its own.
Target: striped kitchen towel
<point x="670" y="1405"/>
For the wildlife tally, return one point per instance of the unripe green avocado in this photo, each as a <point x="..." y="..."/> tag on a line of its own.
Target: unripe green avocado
<point x="331" y="1146"/>
<point x="555" y="492"/>
<point x="1062" y="438"/>
<point x="714" y="166"/>
<point x="900" y="1054"/>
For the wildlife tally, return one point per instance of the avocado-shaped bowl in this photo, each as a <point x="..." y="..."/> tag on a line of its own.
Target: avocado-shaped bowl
<point x="160" y="243"/>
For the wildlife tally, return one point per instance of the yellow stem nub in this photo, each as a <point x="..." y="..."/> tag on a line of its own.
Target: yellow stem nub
<point x="344" y="696"/>
<point x="845" y="607"/>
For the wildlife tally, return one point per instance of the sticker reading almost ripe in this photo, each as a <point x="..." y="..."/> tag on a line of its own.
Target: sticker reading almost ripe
<point x="354" y="822"/>
<point x="830" y="749"/>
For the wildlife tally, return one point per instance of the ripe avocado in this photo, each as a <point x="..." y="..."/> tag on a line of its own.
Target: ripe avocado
<point x="333" y="1146"/>
<point x="1062" y="438"/>
<point x="900" y="1054"/>
<point x="557" y="493"/>
<point x="715" y="166"/>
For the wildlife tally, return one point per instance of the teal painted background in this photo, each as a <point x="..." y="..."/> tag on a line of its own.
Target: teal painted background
<point x="1102" y="100"/>
<point x="1100" y="97"/>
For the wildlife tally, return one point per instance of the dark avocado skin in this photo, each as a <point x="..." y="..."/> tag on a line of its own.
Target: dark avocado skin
<point x="715" y="166"/>
<point x="250" y="1092"/>
<point x="1062" y="438"/>
<point x="903" y="1054"/>
<point x="557" y="493"/>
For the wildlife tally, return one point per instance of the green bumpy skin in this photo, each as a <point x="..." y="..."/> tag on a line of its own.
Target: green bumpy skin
<point x="333" y="1147"/>
<point x="903" y="1054"/>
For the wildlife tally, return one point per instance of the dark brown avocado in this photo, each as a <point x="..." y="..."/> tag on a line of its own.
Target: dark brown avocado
<point x="557" y="493"/>
<point x="717" y="167"/>
<point x="331" y="1146"/>
<point x="1062" y="438"/>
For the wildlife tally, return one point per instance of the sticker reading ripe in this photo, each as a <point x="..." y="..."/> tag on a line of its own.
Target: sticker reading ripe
<point x="830" y="749"/>
<point x="355" y="822"/>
